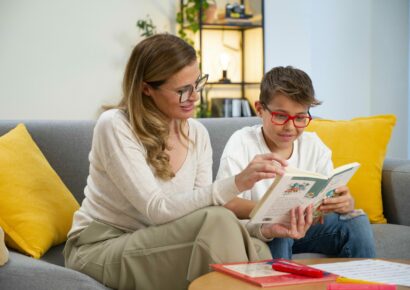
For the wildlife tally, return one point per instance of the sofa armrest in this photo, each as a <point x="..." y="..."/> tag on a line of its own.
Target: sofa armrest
<point x="396" y="191"/>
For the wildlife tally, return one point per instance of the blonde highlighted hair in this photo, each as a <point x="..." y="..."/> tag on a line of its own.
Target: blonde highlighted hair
<point x="153" y="60"/>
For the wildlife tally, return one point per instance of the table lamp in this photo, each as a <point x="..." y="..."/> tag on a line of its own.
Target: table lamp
<point x="224" y="59"/>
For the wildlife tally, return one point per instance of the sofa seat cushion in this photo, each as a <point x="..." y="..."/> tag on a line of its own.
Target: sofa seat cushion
<point x="392" y="241"/>
<point x="54" y="255"/>
<point x="22" y="272"/>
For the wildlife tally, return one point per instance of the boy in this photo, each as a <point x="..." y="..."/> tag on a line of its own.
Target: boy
<point x="286" y="96"/>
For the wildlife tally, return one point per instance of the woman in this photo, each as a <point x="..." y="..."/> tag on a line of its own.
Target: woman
<point x="146" y="220"/>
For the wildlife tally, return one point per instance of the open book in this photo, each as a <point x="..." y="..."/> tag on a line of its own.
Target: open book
<point x="299" y="188"/>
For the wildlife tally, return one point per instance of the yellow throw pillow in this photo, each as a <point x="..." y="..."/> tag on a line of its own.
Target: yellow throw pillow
<point x="363" y="140"/>
<point x="36" y="208"/>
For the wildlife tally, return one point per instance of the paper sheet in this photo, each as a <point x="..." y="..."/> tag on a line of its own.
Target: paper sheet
<point x="255" y="270"/>
<point x="370" y="270"/>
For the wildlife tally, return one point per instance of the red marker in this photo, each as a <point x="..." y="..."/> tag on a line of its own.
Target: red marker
<point x="283" y="265"/>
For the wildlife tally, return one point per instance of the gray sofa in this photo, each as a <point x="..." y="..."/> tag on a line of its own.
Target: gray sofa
<point x="66" y="145"/>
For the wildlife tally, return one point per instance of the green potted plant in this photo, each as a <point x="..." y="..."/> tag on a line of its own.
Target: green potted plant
<point x="188" y="17"/>
<point x="146" y="26"/>
<point x="188" y="20"/>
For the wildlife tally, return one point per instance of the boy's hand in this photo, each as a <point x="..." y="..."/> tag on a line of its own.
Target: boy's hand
<point x="319" y="220"/>
<point x="342" y="203"/>
<point x="262" y="166"/>
<point x="300" y="222"/>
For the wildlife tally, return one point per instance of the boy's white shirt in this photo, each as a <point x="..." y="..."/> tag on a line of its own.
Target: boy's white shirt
<point x="309" y="153"/>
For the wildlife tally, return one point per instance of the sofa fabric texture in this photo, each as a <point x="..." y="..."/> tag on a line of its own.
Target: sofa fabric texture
<point x="66" y="145"/>
<point x="36" y="221"/>
<point x="366" y="143"/>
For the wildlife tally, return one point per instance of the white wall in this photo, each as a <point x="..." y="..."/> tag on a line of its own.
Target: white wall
<point x="390" y="68"/>
<point x="64" y="59"/>
<point x="356" y="52"/>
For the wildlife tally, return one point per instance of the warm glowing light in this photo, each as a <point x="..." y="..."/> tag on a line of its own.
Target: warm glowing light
<point x="225" y="59"/>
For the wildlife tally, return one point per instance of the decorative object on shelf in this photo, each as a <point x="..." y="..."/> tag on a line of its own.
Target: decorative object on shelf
<point x="236" y="11"/>
<point x="146" y="27"/>
<point x="188" y="17"/>
<point x="237" y="74"/>
<point x="211" y="13"/>
<point x="224" y="59"/>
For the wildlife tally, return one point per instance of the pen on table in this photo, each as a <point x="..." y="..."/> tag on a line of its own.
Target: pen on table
<point x="289" y="267"/>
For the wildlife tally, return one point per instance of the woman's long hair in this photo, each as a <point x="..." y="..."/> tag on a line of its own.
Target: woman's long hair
<point x="153" y="60"/>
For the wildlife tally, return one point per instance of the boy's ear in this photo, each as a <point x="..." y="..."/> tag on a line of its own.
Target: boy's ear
<point x="258" y="108"/>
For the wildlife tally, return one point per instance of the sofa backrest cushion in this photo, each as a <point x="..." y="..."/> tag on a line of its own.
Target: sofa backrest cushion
<point x="36" y="207"/>
<point x="220" y="129"/>
<point x="362" y="140"/>
<point x="65" y="144"/>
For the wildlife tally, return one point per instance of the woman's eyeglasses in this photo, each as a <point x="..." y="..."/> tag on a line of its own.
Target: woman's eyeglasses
<point x="187" y="91"/>
<point x="281" y="118"/>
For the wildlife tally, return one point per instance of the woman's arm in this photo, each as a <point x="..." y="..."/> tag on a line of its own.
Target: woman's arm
<point x="123" y="159"/>
<point x="241" y="207"/>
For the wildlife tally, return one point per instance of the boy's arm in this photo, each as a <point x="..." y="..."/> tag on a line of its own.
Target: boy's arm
<point x="229" y="166"/>
<point x="240" y="206"/>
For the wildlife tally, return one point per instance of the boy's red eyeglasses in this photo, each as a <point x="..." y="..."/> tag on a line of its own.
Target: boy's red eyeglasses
<point x="281" y="118"/>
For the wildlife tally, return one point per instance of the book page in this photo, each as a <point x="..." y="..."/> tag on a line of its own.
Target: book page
<point x="345" y="167"/>
<point x="341" y="177"/>
<point x="255" y="269"/>
<point x="290" y="192"/>
<point x="299" y="172"/>
<point x="298" y="189"/>
<point x="370" y="270"/>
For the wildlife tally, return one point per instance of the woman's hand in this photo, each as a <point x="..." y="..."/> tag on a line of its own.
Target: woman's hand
<point x="300" y="222"/>
<point x="342" y="203"/>
<point x="262" y="166"/>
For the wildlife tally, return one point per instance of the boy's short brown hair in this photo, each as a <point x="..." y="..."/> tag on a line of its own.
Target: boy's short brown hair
<point x="288" y="81"/>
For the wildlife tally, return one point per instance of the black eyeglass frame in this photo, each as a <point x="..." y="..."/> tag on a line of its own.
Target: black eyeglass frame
<point x="191" y="88"/>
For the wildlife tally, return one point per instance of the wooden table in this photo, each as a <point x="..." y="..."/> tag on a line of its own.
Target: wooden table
<point x="220" y="281"/>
